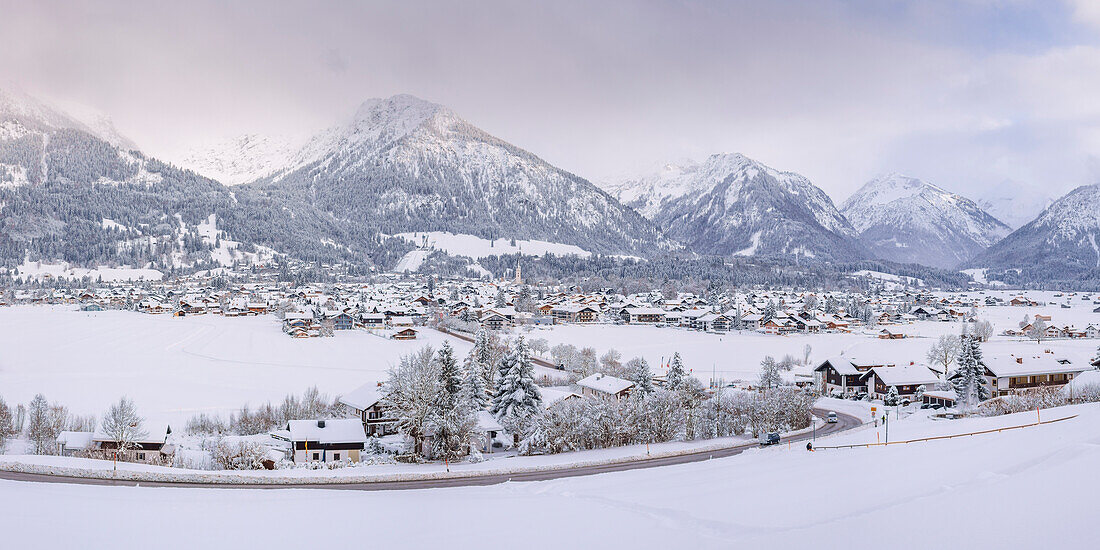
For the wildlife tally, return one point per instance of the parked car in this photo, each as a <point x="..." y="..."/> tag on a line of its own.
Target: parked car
<point x="771" y="438"/>
<point x="830" y="418"/>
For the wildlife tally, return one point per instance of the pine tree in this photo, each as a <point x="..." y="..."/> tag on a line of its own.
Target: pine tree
<point x="969" y="381"/>
<point x="475" y="394"/>
<point x="676" y="373"/>
<point x="769" y="312"/>
<point x="449" y="373"/>
<point x="642" y="377"/>
<point x="891" y="398"/>
<point x="517" y="399"/>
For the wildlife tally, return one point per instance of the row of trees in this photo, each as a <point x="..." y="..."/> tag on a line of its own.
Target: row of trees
<point x="269" y="416"/>
<point x="41" y="422"/>
<point x="436" y="402"/>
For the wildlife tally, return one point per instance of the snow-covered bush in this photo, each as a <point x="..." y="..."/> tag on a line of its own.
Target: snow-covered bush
<point x="241" y="455"/>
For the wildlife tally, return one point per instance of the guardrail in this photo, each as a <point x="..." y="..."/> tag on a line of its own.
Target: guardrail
<point x="934" y="438"/>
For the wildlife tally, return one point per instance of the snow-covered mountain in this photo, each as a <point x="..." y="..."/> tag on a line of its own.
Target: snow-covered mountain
<point x="403" y="164"/>
<point x="732" y="205"/>
<point x="242" y="159"/>
<point x="69" y="195"/>
<point x="907" y="220"/>
<point x="1013" y="203"/>
<point x="1062" y="243"/>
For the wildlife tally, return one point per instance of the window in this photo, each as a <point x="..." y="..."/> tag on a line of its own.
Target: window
<point x="141" y="456"/>
<point x="336" y="456"/>
<point x="316" y="456"/>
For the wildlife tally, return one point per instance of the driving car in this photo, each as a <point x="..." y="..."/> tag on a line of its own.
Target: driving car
<point x="831" y="417"/>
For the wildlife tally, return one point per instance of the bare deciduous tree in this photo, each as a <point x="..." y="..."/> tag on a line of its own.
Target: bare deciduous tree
<point x="122" y="426"/>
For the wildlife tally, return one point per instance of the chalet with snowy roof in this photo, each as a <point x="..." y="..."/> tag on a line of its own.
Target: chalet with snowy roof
<point x="906" y="378"/>
<point x="602" y="385"/>
<point x="844" y="375"/>
<point x="1012" y="373"/>
<point x="366" y="403"/>
<point x="574" y="313"/>
<point x="642" y="315"/>
<point x="330" y="440"/>
<point x="887" y="334"/>
<point x="713" y="322"/>
<point x="150" y="447"/>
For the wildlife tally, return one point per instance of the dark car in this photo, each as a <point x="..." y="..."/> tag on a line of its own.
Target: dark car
<point x="769" y="439"/>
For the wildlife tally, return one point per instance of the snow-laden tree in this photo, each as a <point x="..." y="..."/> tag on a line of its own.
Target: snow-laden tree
<point x="983" y="329"/>
<point x="414" y="394"/>
<point x="517" y="400"/>
<point x="1038" y="330"/>
<point x="474" y="394"/>
<point x="676" y="373"/>
<point x="969" y="380"/>
<point x="7" y="424"/>
<point x="450" y="374"/>
<point x="806" y="351"/>
<point x="919" y="394"/>
<point x="769" y="312"/>
<point x="122" y="426"/>
<point x="945" y="351"/>
<point x="891" y="398"/>
<point x="482" y="356"/>
<point x="451" y="432"/>
<point x="641" y="375"/>
<point x="769" y="373"/>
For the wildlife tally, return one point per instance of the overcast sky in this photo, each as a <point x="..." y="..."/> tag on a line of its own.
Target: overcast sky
<point x="966" y="94"/>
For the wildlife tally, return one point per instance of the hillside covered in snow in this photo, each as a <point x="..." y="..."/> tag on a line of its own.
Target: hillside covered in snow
<point x="1063" y="243"/>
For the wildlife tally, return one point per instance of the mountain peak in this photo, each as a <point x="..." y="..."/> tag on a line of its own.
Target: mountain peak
<point x="401" y="113"/>
<point x="904" y="219"/>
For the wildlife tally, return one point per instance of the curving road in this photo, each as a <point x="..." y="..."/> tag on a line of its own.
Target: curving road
<point x="845" y="422"/>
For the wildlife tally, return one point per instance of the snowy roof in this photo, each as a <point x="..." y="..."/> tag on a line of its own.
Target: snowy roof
<point x="645" y="311"/>
<point x="335" y="430"/>
<point x="1087" y="379"/>
<point x="1007" y="365"/>
<point x="363" y="397"/>
<point x="553" y="395"/>
<point x="486" y="422"/>
<point x="76" y="440"/>
<point x="841" y="364"/>
<point x="604" y="383"/>
<point x="155" y="432"/>
<point x="904" y="375"/>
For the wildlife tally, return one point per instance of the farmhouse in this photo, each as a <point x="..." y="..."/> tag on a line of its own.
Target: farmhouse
<point x="1009" y="374"/>
<point x="906" y="378"/>
<point x="366" y="403"/>
<point x="150" y="447"/>
<point x="332" y="440"/>
<point x="602" y="385"/>
<point x="642" y="315"/>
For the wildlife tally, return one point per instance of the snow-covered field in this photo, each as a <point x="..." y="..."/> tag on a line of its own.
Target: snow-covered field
<point x="1025" y="488"/>
<point x="476" y="247"/>
<point x="174" y="367"/>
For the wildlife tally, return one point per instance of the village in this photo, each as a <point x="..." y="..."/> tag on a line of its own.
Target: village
<point x="871" y="348"/>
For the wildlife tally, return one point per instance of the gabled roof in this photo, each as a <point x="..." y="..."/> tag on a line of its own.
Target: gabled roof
<point x="605" y="383"/>
<point x="904" y="375"/>
<point x="363" y="397"/>
<point x="335" y="430"/>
